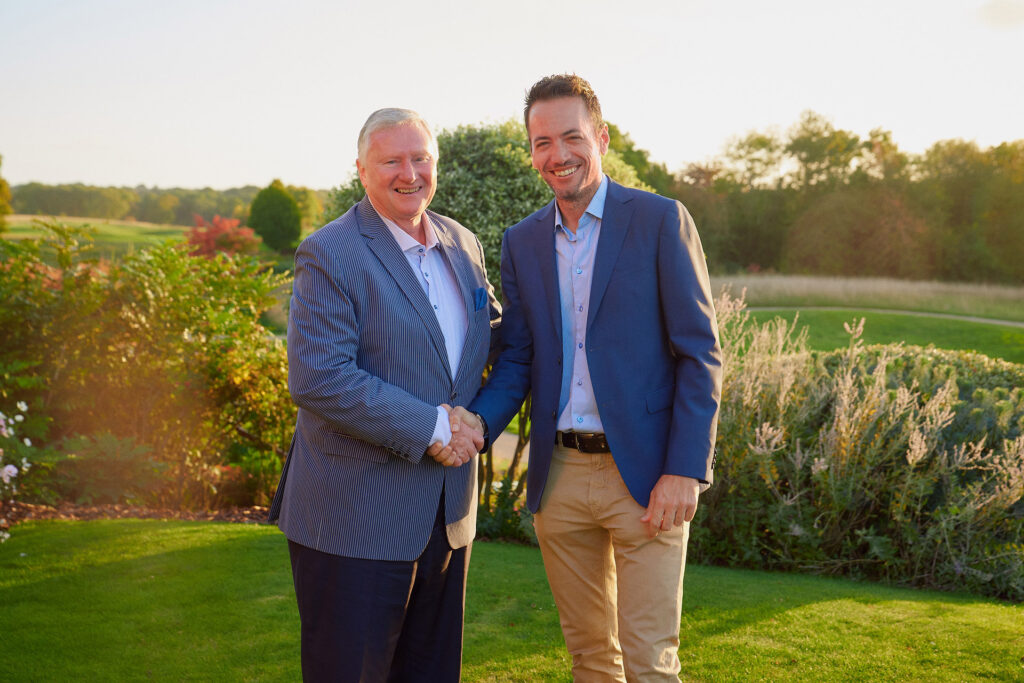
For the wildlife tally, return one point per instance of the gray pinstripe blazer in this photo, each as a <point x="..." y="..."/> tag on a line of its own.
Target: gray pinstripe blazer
<point x="367" y="367"/>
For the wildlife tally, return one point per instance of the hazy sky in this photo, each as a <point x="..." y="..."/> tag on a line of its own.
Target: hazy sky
<point x="222" y="93"/>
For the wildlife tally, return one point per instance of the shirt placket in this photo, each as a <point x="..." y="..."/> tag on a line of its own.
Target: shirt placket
<point x="580" y="277"/>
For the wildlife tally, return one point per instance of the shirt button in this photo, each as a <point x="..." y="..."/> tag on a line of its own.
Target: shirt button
<point x="581" y="346"/>
<point x="579" y="382"/>
<point x="435" y="307"/>
<point x="426" y="274"/>
<point x="579" y="420"/>
<point x="580" y="308"/>
<point x="578" y="270"/>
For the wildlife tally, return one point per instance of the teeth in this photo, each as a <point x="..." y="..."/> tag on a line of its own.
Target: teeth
<point x="568" y="171"/>
<point x="412" y="191"/>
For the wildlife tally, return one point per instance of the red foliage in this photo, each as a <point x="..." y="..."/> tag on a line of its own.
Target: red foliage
<point x="221" y="235"/>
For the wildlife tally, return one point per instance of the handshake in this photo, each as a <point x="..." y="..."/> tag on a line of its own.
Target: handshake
<point x="467" y="438"/>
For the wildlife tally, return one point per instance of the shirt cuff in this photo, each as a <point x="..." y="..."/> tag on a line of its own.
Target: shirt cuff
<point x="442" y="428"/>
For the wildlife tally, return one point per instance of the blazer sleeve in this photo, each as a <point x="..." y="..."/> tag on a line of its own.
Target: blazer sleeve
<point x="509" y="380"/>
<point x="323" y="375"/>
<point x="689" y="315"/>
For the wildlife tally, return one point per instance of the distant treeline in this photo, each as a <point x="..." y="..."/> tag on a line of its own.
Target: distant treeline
<point x="821" y="200"/>
<point x="814" y="199"/>
<point x="155" y="205"/>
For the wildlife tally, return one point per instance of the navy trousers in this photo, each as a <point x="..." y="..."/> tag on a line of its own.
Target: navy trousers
<point x="371" y="621"/>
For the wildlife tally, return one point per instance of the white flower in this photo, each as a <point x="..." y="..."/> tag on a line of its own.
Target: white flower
<point x="28" y="441"/>
<point x="8" y="473"/>
<point x="22" y="406"/>
<point x="19" y="418"/>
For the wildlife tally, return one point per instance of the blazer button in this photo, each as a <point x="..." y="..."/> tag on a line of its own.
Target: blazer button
<point x="454" y="395"/>
<point x="553" y="416"/>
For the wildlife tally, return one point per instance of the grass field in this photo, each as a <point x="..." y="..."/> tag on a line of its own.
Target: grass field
<point x="825" y="331"/>
<point x="141" y="599"/>
<point x="998" y="302"/>
<point x="112" y="238"/>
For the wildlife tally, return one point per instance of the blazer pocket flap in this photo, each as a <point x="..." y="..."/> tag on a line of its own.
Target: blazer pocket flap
<point x="347" y="447"/>
<point x="660" y="399"/>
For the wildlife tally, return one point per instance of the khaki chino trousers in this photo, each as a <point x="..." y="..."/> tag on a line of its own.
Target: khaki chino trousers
<point x="619" y="593"/>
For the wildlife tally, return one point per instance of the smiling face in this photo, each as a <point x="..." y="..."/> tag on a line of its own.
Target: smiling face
<point x="399" y="173"/>
<point x="567" y="149"/>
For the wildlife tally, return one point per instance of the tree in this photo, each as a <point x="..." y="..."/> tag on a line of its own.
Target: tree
<point x="655" y="175"/>
<point x="825" y="155"/>
<point x="309" y="205"/>
<point x="275" y="217"/>
<point x="5" y="200"/>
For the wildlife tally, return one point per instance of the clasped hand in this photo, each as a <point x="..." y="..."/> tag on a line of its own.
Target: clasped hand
<point x="467" y="439"/>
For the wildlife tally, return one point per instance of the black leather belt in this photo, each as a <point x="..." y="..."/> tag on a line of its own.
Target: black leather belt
<point x="583" y="442"/>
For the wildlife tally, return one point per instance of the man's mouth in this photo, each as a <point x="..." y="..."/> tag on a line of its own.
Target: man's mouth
<point x="407" y="190"/>
<point x="565" y="172"/>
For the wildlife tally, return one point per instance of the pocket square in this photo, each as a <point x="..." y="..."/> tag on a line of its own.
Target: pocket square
<point x="479" y="298"/>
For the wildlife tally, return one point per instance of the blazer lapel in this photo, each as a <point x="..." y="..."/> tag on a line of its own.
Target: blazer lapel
<point x="543" y="241"/>
<point x="463" y="275"/>
<point x="384" y="246"/>
<point x="614" y="226"/>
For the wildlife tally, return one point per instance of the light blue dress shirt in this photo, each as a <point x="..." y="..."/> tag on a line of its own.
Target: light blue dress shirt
<point x="437" y="278"/>
<point x="575" y="255"/>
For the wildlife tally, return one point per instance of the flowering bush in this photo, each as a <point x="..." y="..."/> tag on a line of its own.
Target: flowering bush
<point x="221" y="236"/>
<point x="13" y="459"/>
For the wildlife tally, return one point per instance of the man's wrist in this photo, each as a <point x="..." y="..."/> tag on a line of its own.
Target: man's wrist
<point x="483" y="427"/>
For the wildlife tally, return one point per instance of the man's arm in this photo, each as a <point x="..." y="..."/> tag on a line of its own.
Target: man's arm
<point x="323" y="377"/>
<point x="508" y="382"/>
<point x="689" y="314"/>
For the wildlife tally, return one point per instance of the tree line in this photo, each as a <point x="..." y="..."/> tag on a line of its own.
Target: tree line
<point x="814" y="199"/>
<point x="176" y="205"/>
<point x="823" y="200"/>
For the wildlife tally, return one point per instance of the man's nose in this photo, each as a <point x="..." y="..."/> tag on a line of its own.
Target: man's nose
<point x="408" y="171"/>
<point x="562" y="151"/>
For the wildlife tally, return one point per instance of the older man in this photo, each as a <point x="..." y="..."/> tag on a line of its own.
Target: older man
<point x="390" y="322"/>
<point x="609" y="322"/>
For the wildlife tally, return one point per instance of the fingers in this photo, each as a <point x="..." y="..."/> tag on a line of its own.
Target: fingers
<point x="673" y="502"/>
<point x="468" y="418"/>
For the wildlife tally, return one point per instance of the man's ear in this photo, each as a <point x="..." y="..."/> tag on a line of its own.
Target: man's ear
<point x="604" y="138"/>
<point x="361" y="170"/>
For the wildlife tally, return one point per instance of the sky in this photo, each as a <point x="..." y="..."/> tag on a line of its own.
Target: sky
<point x="224" y="93"/>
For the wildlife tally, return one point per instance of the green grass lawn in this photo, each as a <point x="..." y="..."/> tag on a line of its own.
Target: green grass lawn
<point x="825" y="331"/>
<point x="141" y="599"/>
<point x="112" y="238"/>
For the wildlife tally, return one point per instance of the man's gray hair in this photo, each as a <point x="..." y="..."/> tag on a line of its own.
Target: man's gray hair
<point x="387" y="118"/>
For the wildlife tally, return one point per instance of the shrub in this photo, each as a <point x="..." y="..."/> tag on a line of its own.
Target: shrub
<point x="103" y="468"/>
<point x="275" y="217"/>
<point x="221" y="236"/>
<point x="888" y="462"/>
<point x="162" y="349"/>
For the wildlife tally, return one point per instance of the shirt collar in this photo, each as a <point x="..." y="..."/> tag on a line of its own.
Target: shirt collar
<point x="406" y="242"/>
<point x="596" y="206"/>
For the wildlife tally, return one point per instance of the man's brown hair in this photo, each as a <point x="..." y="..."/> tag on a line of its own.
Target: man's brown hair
<point x="564" y="85"/>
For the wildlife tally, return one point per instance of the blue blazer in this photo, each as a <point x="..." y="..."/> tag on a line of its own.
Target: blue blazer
<point x="652" y="342"/>
<point x="367" y="367"/>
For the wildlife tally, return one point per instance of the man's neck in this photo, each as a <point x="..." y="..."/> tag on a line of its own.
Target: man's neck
<point x="413" y="226"/>
<point x="572" y="210"/>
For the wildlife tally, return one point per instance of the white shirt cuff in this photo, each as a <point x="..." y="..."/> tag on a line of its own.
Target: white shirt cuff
<point x="442" y="428"/>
